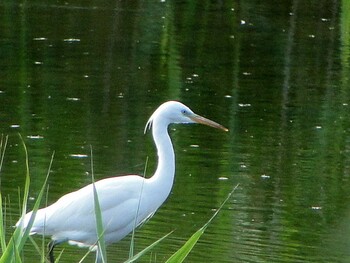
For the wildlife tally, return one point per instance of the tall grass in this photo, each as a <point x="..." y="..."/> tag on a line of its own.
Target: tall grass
<point x="3" y="144"/>
<point x="101" y="254"/>
<point x="11" y="249"/>
<point x="181" y="254"/>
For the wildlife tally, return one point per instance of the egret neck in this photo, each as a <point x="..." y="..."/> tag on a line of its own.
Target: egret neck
<point x="164" y="175"/>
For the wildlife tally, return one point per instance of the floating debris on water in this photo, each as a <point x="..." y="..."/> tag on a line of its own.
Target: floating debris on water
<point x="77" y="155"/>
<point x="35" y="137"/>
<point x="39" y="38"/>
<point x="73" y="99"/>
<point x="244" y="104"/>
<point x="71" y="40"/>
<point x="222" y="178"/>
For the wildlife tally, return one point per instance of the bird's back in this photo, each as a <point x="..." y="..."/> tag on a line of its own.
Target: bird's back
<point x="72" y="217"/>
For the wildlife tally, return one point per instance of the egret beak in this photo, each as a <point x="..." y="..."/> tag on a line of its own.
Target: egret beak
<point x="199" y="119"/>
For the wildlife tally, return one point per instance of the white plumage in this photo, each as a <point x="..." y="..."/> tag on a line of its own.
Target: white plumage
<point x="122" y="199"/>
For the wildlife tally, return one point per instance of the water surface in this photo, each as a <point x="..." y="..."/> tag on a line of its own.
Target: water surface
<point x="75" y="74"/>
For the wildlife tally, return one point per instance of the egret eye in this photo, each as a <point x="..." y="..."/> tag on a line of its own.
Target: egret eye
<point x="116" y="193"/>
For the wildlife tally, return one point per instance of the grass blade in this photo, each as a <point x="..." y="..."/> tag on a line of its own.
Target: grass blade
<point x="2" y="232"/>
<point x="101" y="245"/>
<point x="144" y="251"/>
<point x="85" y="256"/>
<point x="37" y="202"/>
<point x="17" y="239"/>
<point x="20" y="235"/>
<point x="183" y="252"/>
<point x="132" y="242"/>
<point x="3" y="145"/>
<point x="37" y="248"/>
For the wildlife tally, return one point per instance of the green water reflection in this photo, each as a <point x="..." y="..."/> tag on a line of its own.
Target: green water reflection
<point x="77" y="73"/>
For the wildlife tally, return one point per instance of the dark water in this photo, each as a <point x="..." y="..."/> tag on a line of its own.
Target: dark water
<point x="81" y="73"/>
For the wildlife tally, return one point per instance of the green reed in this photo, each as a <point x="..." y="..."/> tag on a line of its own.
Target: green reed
<point x="11" y="250"/>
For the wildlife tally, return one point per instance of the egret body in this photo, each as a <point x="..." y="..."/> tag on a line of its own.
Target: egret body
<point x="123" y="199"/>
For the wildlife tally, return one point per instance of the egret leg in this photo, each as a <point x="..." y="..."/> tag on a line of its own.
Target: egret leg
<point x="50" y="248"/>
<point x="98" y="256"/>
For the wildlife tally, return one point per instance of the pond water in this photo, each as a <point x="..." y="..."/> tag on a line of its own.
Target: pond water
<point x="81" y="73"/>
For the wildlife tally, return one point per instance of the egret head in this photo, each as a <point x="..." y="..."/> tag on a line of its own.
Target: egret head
<point x="176" y="112"/>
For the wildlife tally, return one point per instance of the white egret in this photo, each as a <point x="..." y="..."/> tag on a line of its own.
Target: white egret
<point x="123" y="199"/>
